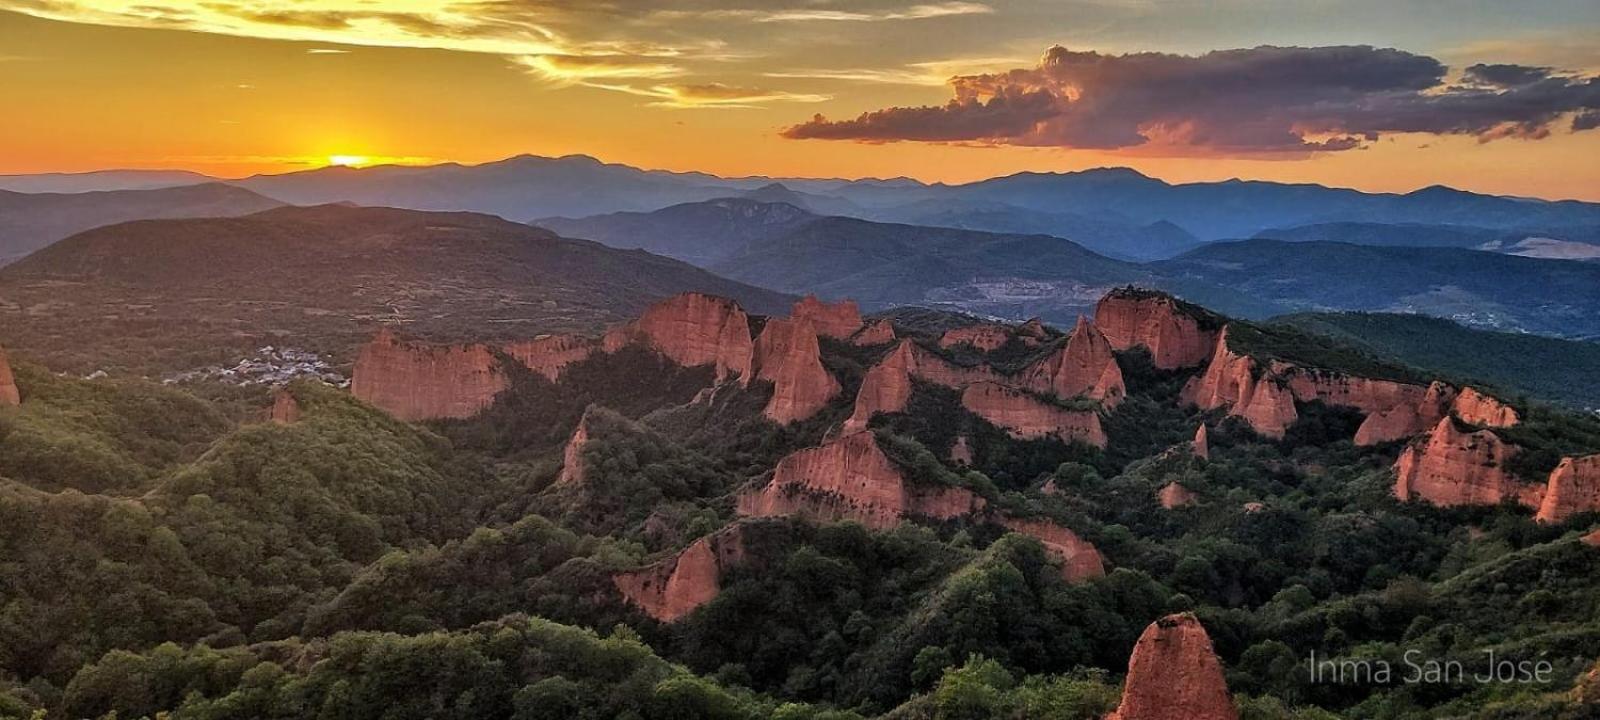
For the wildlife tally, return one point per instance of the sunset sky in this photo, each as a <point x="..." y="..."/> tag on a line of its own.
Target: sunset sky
<point x="1489" y="96"/>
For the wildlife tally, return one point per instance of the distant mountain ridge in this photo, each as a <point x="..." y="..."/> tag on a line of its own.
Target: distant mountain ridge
<point x="29" y="221"/>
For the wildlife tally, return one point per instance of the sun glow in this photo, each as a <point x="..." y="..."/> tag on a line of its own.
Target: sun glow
<point x="348" y="160"/>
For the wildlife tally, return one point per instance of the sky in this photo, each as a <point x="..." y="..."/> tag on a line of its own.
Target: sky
<point x="1385" y="96"/>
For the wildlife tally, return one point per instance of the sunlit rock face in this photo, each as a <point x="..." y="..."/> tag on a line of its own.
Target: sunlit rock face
<point x="850" y="478"/>
<point x="1079" y="558"/>
<point x="1026" y="417"/>
<point x="1482" y="410"/>
<point x="677" y="586"/>
<point x="838" y="320"/>
<point x="1173" y="495"/>
<point x="285" y="408"/>
<point x="412" y="381"/>
<point x="572" y="465"/>
<point x="1084" y="367"/>
<point x="986" y="337"/>
<point x="1174" y="674"/>
<point x="1451" y="467"/>
<point x="879" y="332"/>
<point x="1573" y="488"/>
<point x="693" y="329"/>
<point x="9" y="395"/>
<point x="1407" y="420"/>
<point x="550" y="355"/>
<point x="1200" y="447"/>
<point x="887" y="385"/>
<point x="1237" y="383"/>
<point x="787" y="354"/>
<point x="1175" y="339"/>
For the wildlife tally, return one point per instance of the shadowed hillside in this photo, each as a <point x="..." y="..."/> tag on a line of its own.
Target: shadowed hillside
<point x="29" y="222"/>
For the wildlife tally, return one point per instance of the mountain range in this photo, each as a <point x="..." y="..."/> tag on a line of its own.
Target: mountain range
<point x="29" y="221"/>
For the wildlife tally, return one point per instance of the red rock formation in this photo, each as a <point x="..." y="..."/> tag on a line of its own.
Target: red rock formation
<point x="1237" y="383"/>
<point x="1403" y="421"/>
<point x="693" y="329"/>
<point x="1174" y="674"/>
<point x="1450" y="467"/>
<point x="961" y="451"/>
<point x="1592" y="539"/>
<point x="421" y="382"/>
<point x="850" y="478"/>
<point x="1034" y="328"/>
<point x="1482" y="410"/>
<point x="839" y="320"/>
<point x="1574" y="487"/>
<point x="887" y="385"/>
<point x="9" y="396"/>
<point x="1135" y="317"/>
<point x="1080" y="560"/>
<point x="1174" y="495"/>
<point x="549" y="355"/>
<point x="1084" y="366"/>
<point x="1024" y="416"/>
<point x="985" y="337"/>
<point x="1201" y="446"/>
<point x="572" y="468"/>
<point x="1334" y="388"/>
<point x="285" y="409"/>
<point x="675" y="587"/>
<point x="879" y="332"/>
<point x="787" y="354"/>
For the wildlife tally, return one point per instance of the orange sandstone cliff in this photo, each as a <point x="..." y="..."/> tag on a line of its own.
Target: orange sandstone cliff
<point x="9" y="396"/>
<point x="1483" y="410"/>
<point x="1175" y="338"/>
<point x="676" y="586"/>
<point x="1239" y="384"/>
<point x="1084" y="366"/>
<point x="413" y="382"/>
<point x="1175" y="495"/>
<point x="886" y="387"/>
<point x="1201" y="446"/>
<point x="837" y="320"/>
<point x="285" y="409"/>
<point x="1452" y="467"/>
<point x="1027" y="417"/>
<point x="1574" y="487"/>
<point x="850" y="478"/>
<point x="572" y="469"/>
<point x="549" y="355"/>
<point x="788" y="355"/>
<point x="693" y="329"/>
<point x="986" y="337"/>
<point x="879" y="332"/>
<point x="1174" y="674"/>
<point x="1080" y="560"/>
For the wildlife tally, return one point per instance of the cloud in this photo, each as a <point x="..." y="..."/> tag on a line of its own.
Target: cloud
<point x="710" y="95"/>
<point x="327" y="51"/>
<point x="577" y="68"/>
<point x="1257" y="100"/>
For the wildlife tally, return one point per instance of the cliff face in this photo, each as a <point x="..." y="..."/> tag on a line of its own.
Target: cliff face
<point x="675" y="587"/>
<point x="1173" y="337"/>
<point x="572" y="469"/>
<point x="984" y="337"/>
<point x="887" y="385"/>
<point x="1407" y="420"/>
<point x="1174" y="673"/>
<point x="551" y="354"/>
<point x="1365" y="394"/>
<point x="878" y="333"/>
<point x="694" y="329"/>
<point x="1237" y="383"/>
<point x="1574" y="487"/>
<point x="285" y="409"/>
<point x="1201" y="446"/>
<point x="421" y="382"/>
<point x="1451" y="467"/>
<point x="788" y="355"/>
<point x="837" y="320"/>
<point x="1483" y="410"/>
<point x="1173" y="495"/>
<point x="1026" y="417"/>
<point x="9" y="395"/>
<point x="1080" y="560"/>
<point x="1085" y="366"/>
<point x="850" y="478"/>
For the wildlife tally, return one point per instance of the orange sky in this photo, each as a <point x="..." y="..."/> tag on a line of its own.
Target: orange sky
<point x="233" y="96"/>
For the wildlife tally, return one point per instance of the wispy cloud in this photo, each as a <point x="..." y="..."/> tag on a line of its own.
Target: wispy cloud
<point x="576" y="68"/>
<point x="327" y="51"/>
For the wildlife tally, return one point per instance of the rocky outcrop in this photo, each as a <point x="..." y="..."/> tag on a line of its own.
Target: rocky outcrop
<point x="549" y="355"/>
<point x="878" y="333"/>
<point x="675" y="587"/>
<point x="1027" y="417"/>
<point x="1084" y="367"/>
<point x="1201" y="445"/>
<point x="787" y="354"/>
<point x="572" y="467"/>
<point x="1239" y="384"/>
<point x="986" y="337"/>
<point x="1482" y="410"/>
<point x="961" y="451"/>
<point x="1573" y="488"/>
<point x="1174" y="495"/>
<point x="693" y="329"/>
<point x="1175" y="338"/>
<point x="1451" y="467"/>
<point x="1034" y="328"/>
<point x="837" y="320"/>
<point x="285" y="408"/>
<point x="1334" y="388"/>
<point x="1080" y="560"/>
<point x="1592" y="539"/>
<point x="887" y="385"/>
<point x="9" y="395"/>
<point x="423" y="382"/>
<point x="850" y="478"/>
<point x="1407" y="419"/>
<point x="1175" y="674"/>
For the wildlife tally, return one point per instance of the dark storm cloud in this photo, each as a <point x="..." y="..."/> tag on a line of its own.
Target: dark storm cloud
<point x="1264" y="99"/>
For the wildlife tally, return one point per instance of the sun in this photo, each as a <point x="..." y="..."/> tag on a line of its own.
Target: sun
<point x="347" y="160"/>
